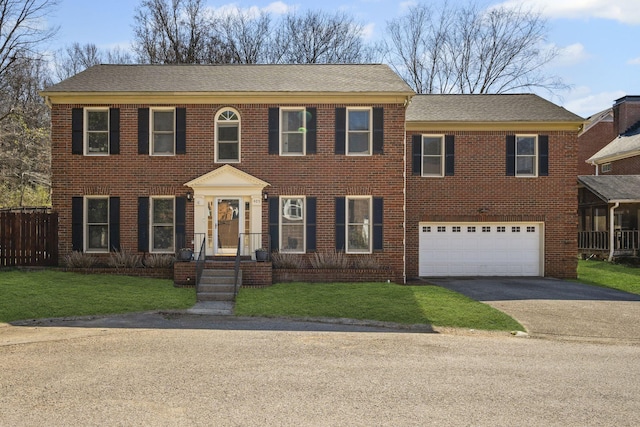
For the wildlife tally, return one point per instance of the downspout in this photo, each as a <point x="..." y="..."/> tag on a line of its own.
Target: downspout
<point x="611" y="230"/>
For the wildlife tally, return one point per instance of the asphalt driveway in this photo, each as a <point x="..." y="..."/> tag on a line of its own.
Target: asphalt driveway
<point x="556" y="308"/>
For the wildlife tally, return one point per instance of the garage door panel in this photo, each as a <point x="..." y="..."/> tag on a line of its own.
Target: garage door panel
<point x="480" y="249"/>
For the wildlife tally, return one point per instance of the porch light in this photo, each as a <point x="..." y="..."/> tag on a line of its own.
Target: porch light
<point x="265" y="195"/>
<point x="190" y="196"/>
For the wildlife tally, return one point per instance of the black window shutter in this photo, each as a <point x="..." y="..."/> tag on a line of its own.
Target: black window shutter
<point x="378" y="242"/>
<point x="378" y="130"/>
<point x="181" y="130"/>
<point x="143" y="131"/>
<point x="543" y="155"/>
<point x="181" y="220"/>
<point x="311" y="224"/>
<point x="274" y="130"/>
<point x="511" y="155"/>
<point x="341" y="130"/>
<point x="114" y="223"/>
<point x="143" y="224"/>
<point x="274" y="222"/>
<point x="340" y="223"/>
<point x="77" y="224"/>
<point x="114" y="131"/>
<point x="311" y="130"/>
<point x="449" y="155"/>
<point x="77" y="130"/>
<point x="416" y="154"/>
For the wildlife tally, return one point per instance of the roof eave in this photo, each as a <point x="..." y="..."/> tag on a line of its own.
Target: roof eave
<point x="420" y="125"/>
<point x="598" y="160"/>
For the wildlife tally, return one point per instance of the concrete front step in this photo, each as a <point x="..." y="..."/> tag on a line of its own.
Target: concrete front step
<point x="217" y="285"/>
<point x="215" y="296"/>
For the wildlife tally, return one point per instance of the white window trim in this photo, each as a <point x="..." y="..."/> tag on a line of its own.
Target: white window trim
<point x="151" y="131"/>
<point x="442" y="148"/>
<point x="85" y="225"/>
<point x="535" y="156"/>
<point x="606" y="167"/>
<point x="281" y="214"/>
<point x="304" y="134"/>
<point x="347" y="224"/>
<point x="85" y="130"/>
<point x="152" y="224"/>
<point x="238" y="122"/>
<point x="370" y="149"/>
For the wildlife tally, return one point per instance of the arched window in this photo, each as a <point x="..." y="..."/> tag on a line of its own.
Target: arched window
<point x="227" y="136"/>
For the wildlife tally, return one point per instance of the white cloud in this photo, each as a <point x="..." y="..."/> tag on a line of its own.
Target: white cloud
<point x="634" y="61"/>
<point x="231" y="9"/>
<point x="582" y="102"/>
<point x="626" y="11"/>
<point x="368" y="31"/>
<point x="571" y="55"/>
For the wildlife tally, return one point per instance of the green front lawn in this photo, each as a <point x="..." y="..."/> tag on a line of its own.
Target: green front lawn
<point x="373" y="301"/>
<point x="46" y="293"/>
<point x="616" y="276"/>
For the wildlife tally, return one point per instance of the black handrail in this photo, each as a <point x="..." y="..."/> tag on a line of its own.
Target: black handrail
<point x="200" y="259"/>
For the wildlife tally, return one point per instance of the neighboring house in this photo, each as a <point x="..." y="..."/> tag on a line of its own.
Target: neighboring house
<point x="313" y="158"/>
<point x="597" y="132"/>
<point x="491" y="186"/>
<point x="609" y="201"/>
<point x="303" y="158"/>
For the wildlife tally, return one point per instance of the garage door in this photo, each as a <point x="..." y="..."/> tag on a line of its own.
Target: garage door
<point x="480" y="249"/>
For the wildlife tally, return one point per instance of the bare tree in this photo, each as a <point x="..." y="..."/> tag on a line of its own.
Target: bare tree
<point x="319" y="37"/>
<point x="75" y="58"/>
<point x="469" y="50"/>
<point x="246" y="36"/>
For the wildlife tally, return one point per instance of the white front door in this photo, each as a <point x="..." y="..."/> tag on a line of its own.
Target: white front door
<point x="227" y="224"/>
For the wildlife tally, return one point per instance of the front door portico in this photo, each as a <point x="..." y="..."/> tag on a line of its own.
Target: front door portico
<point x="227" y="204"/>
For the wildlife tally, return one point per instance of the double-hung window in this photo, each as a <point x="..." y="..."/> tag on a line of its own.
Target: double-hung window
<point x="293" y="131"/>
<point x="228" y="136"/>
<point x="292" y="224"/>
<point x="432" y="155"/>
<point x="526" y="155"/>
<point x="359" y="134"/>
<point x="358" y="224"/>
<point x="163" y="131"/>
<point x="96" y="224"/>
<point x="96" y="131"/>
<point x="162" y="224"/>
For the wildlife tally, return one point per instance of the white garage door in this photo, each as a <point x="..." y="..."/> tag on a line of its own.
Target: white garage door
<point x="481" y="249"/>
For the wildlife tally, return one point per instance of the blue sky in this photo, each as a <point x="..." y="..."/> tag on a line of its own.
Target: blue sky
<point x="599" y="39"/>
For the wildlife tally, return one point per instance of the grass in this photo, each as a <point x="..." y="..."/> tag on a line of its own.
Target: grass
<point x="46" y="293"/>
<point x="606" y="274"/>
<point x="373" y="301"/>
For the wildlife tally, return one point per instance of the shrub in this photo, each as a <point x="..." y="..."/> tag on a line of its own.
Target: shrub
<point x="332" y="260"/>
<point x="159" y="261"/>
<point x="285" y="260"/>
<point x="77" y="259"/>
<point x="366" y="262"/>
<point x="122" y="259"/>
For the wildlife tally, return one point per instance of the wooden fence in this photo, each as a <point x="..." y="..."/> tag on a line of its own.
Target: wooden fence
<point x="28" y="238"/>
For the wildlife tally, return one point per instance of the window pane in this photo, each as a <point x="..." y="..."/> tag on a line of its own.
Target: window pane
<point x="358" y="238"/>
<point x="98" y="142"/>
<point x="292" y="210"/>
<point x="432" y="165"/>
<point x="432" y="146"/>
<point x="98" y="237"/>
<point x="359" y="120"/>
<point x="163" y="143"/>
<point x="358" y="210"/>
<point x="163" y="238"/>
<point x="526" y="146"/>
<point x="524" y="166"/>
<point x="293" y="237"/>
<point x="293" y="121"/>
<point x="98" y="211"/>
<point x="98" y="120"/>
<point x="163" y="120"/>
<point x="358" y="142"/>
<point x="228" y="133"/>
<point x="228" y="151"/>
<point x="163" y="211"/>
<point x="292" y="143"/>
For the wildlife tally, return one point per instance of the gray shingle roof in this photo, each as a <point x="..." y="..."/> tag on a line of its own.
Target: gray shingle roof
<point x="487" y="108"/>
<point x="613" y="188"/>
<point x="333" y="78"/>
<point x="625" y="145"/>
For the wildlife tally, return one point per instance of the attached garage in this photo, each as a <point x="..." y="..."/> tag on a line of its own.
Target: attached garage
<point x="481" y="249"/>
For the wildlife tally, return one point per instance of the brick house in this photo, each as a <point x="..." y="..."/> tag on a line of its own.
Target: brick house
<point x="491" y="186"/>
<point x="309" y="158"/>
<point x="609" y="190"/>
